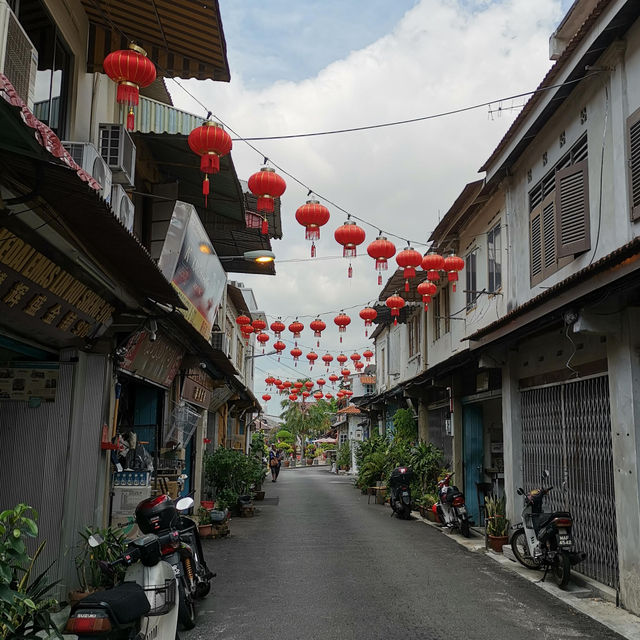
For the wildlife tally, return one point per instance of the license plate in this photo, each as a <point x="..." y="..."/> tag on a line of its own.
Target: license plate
<point x="564" y="539"/>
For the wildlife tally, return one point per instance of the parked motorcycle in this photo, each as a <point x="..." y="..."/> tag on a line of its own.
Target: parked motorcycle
<point x="544" y="539"/>
<point x="400" y="492"/>
<point x="143" y="606"/>
<point x="451" y="507"/>
<point x="160" y="515"/>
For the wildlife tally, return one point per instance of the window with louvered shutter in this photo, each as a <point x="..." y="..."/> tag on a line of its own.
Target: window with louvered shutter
<point x="535" y="249"/>
<point x="572" y="210"/>
<point x="633" y="142"/>
<point x="548" y="235"/>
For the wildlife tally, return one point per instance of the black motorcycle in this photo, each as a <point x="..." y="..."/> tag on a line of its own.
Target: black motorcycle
<point x="544" y="539"/>
<point x="161" y="514"/>
<point x="400" y="492"/>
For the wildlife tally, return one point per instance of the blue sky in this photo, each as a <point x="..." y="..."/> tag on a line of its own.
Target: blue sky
<point x="292" y="40"/>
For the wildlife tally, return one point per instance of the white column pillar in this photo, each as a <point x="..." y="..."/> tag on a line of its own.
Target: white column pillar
<point x="512" y="435"/>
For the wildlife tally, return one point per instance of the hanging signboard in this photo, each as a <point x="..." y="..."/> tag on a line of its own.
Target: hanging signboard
<point x="189" y="262"/>
<point x="28" y="381"/>
<point x="155" y="360"/>
<point x="42" y="299"/>
<point x="197" y="388"/>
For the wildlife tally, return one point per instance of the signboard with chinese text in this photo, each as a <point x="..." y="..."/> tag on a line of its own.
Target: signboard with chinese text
<point x="189" y="262"/>
<point x="40" y="298"/>
<point x="197" y="388"/>
<point x="29" y="381"/>
<point x="158" y="360"/>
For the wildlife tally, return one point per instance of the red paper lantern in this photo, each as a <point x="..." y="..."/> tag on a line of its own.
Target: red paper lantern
<point x="368" y="354"/>
<point x="381" y="250"/>
<point x="266" y="397"/>
<point x="341" y="394"/>
<point x="348" y="393"/>
<point x="333" y="378"/>
<point x="259" y="325"/>
<point x="395" y="303"/>
<point x="341" y="358"/>
<point x="318" y="395"/>
<point x="355" y="357"/>
<point x="312" y="357"/>
<point x="342" y="320"/>
<point x="262" y="338"/>
<point x="327" y="358"/>
<point x="269" y="380"/>
<point x="427" y="290"/>
<point x="278" y="382"/>
<point x="312" y="216"/>
<point x="433" y="263"/>
<point x="359" y="365"/>
<point x="131" y="69"/>
<point x="298" y="385"/>
<point x="309" y="385"/>
<point x="305" y="394"/>
<point x="296" y="353"/>
<point x="279" y="347"/>
<point x="350" y="236"/>
<point x="453" y="264"/>
<point x="277" y="327"/>
<point x="317" y="326"/>
<point x="266" y="185"/>
<point x="409" y="259"/>
<point x="210" y="141"/>
<point x="286" y="384"/>
<point x="296" y="328"/>
<point x="368" y="314"/>
<point x="293" y="397"/>
<point x="328" y="396"/>
<point x="321" y="382"/>
<point x="243" y="321"/>
<point x="345" y="373"/>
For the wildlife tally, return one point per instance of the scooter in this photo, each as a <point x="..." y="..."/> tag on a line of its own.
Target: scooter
<point x="160" y="515"/>
<point x="544" y="539"/>
<point x="451" y="507"/>
<point x="143" y="607"/>
<point x="400" y="492"/>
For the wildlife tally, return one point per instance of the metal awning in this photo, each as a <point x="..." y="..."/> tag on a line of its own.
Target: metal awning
<point x="184" y="38"/>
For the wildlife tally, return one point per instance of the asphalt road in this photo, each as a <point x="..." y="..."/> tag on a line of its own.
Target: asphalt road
<point x="317" y="561"/>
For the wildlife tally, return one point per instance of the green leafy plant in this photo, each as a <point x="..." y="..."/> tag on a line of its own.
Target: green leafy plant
<point x="227" y="499"/>
<point x="497" y="523"/>
<point x="88" y="559"/>
<point x="25" y="604"/>
<point x="344" y="455"/>
<point x="203" y="516"/>
<point x="404" y="425"/>
<point x="285" y="436"/>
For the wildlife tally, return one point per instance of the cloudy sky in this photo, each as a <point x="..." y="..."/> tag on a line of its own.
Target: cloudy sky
<point x="309" y="66"/>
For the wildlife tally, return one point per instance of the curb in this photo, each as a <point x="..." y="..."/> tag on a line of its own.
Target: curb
<point x="580" y="594"/>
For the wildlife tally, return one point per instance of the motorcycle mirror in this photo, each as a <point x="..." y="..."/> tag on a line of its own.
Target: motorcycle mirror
<point x="184" y="503"/>
<point x="95" y="540"/>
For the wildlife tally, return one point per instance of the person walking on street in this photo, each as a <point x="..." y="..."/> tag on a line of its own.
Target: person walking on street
<point x="275" y="460"/>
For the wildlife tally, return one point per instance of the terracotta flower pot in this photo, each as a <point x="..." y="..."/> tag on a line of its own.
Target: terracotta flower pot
<point x="496" y="542"/>
<point x="309" y="462"/>
<point x="205" y="530"/>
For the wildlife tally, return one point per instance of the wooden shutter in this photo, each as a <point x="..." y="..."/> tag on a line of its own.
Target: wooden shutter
<point x="633" y="142"/>
<point x="535" y="245"/>
<point x="572" y="210"/>
<point x="549" y="256"/>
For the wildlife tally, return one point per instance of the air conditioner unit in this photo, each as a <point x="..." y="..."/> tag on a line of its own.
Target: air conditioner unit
<point x="123" y="207"/>
<point x="87" y="156"/>
<point x="220" y="341"/>
<point x="18" y="56"/>
<point x="119" y="152"/>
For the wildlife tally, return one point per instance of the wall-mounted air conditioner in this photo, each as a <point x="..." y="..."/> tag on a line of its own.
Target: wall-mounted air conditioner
<point x="123" y="207"/>
<point x="18" y="56"/>
<point x="119" y="152"/>
<point x="88" y="157"/>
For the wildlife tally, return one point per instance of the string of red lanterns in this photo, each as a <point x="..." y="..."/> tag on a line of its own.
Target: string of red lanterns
<point x="267" y="185"/>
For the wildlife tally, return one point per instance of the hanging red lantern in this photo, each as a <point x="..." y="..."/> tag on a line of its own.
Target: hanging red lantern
<point x="298" y="385"/>
<point x="296" y="353"/>
<point x="321" y="382"/>
<point x="328" y="396"/>
<point x="409" y="259"/>
<point x="350" y="236"/>
<point x="341" y="394"/>
<point x="333" y="378"/>
<point x="242" y="321"/>
<point x="367" y="355"/>
<point x="318" y="395"/>
<point x="132" y="70"/>
<point x="266" y="397"/>
<point x="293" y="397"/>
<point x="342" y="358"/>
<point x="267" y="185"/>
<point x="395" y="303"/>
<point x="342" y="320"/>
<point x="426" y="289"/>
<point x="269" y="380"/>
<point x="359" y="365"/>
<point x="348" y="393"/>
<point x="327" y="358"/>
<point x="305" y="394"/>
<point x="262" y="338"/>
<point x="312" y="357"/>
<point x="210" y="141"/>
<point x="355" y="357"/>
<point x="277" y="327"/>
<point x="296" y="328"/>
<point x="345" y="373"/>
<point x="258" y="325"/>
<point x="453" y="264"/>
<point x="286" y="384"/>
<point x="312" y="216"/>
<point x="247" y="330"/>
<point x="368" y="314"/>
<point x="279" y="347"/>
<point x="309" y="385"/>
<point x="381" y="250"/>
<point x="317" y="326"/>
<point x="433" y="263"/>
<point x="278" y="382"/>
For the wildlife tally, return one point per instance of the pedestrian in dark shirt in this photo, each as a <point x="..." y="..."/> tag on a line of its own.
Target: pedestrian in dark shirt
<point x="275" y="460"/>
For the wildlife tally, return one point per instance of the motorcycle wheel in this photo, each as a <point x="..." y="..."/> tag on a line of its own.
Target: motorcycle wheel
<point x="521" y="551"/>
<point x="465" y="529"/>
<point x="561" y="568"/>
<point x="186" y="608"/>
<point x="203" y="589"/>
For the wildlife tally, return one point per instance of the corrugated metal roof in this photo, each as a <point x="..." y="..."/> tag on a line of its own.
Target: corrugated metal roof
<point x="351" y="410"/>
<point x="155" y="117"/>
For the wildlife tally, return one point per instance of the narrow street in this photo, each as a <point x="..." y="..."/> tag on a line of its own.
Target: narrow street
<point x="317" y="561"/>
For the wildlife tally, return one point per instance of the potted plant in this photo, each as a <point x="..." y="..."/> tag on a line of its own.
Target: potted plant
<point x="497" y="525"/>
<point x="426" y="506"/>
<point x="205" y="528"/>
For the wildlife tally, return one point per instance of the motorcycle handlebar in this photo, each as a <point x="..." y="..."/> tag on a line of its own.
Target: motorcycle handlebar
<point x="133" y="555"/>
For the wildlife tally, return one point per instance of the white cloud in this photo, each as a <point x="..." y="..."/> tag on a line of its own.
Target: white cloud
<point x="442" y="55"/>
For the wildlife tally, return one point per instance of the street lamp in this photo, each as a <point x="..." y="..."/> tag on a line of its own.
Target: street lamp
<point x="261" y="256"/>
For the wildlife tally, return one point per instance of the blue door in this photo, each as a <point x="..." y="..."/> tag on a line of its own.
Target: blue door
<point x="473" y="456"/>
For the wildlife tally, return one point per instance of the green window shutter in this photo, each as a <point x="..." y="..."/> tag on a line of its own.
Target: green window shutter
<point x="572" y="210"/>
